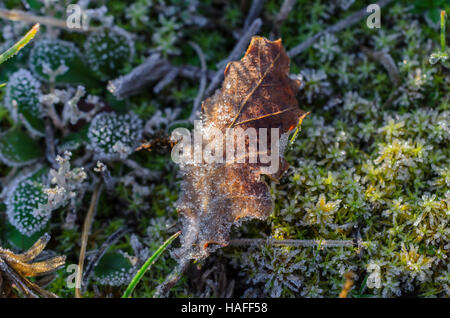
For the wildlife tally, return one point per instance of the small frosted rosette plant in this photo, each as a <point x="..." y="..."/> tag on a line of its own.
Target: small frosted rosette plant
<point x="114" y="136"/>
<point x="108" y="50"/>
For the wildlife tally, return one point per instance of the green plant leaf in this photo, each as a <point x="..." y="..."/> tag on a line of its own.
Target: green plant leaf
<point x="62" y="58"/>
<point x="108" y="50"/>
<point x="18" y="149"/>
<point x="20" y="241"/>
<point x="12" y="65"/>
<point x="113" y="269"/>
<point x="23" y="200"/>
<point x="22" y="100"/>
<point x="74" y="140"/>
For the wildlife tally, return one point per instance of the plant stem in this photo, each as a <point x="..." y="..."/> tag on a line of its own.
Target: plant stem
<point x="303" y="243"/>
<point x="443" y="31"/>
<point x="20" y="44"/>
<point x="84" y="237"/>
<point x="299" y="128"/>
<point x="18" y="15"/>
<point x="342" y="24"/>
<point x="147" y="265"/>
<point x="172" y="278"/>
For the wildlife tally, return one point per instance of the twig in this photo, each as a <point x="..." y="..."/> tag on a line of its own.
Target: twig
<point x="350" y="20"/>
<point x="286" y="7"/>
<point x="141" y="171"/>
<point x="172" y="279"/>
<point x="201" y="90"/>
<point x="385" y="59"/>
<point x="154" y="69"/>
<point x="17" y="15"/>
<point x="253" y="13"/>
<point x="166" y="80"/>
<point x="238" y="50"/>
<point x="304" y="243"/>
<point x="50" y="153"/>
<point x="113" y="238"/>
<point x="84" y="237"/>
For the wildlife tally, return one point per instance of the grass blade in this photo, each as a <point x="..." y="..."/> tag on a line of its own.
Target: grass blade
<point x="147" y="265"/>
<point x="298" y="129"/>
<point x="19" y="45"/>
<point x="443" y="16"/>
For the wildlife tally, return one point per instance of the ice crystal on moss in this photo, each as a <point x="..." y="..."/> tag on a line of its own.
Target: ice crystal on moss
<point x="315" y="83"/>
<point x="327" y="47"/>
<point x="322" y="212"/>
<point x="276" y="268"/>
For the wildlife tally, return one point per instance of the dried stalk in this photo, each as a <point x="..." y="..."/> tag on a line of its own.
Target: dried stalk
<point x="303" y="243"/>
<point x="350" y="20"/>
<point x="253" y="13"/>
<point x="18" y="15"/>
<point x="113" y="238"/>
<point x="84" y="237"/>
<point x="286" y="7"/>
<point x="201" y="90"/>
<point x="141" y="171"/>
<point x="154" y="70"/>
<point x="172" y="279"/>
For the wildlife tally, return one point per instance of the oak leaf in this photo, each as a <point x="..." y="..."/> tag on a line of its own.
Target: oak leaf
<point x="257" y="92"/>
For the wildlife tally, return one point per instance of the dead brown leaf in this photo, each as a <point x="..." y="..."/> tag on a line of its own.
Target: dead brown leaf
<point x="256" y="93"/>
